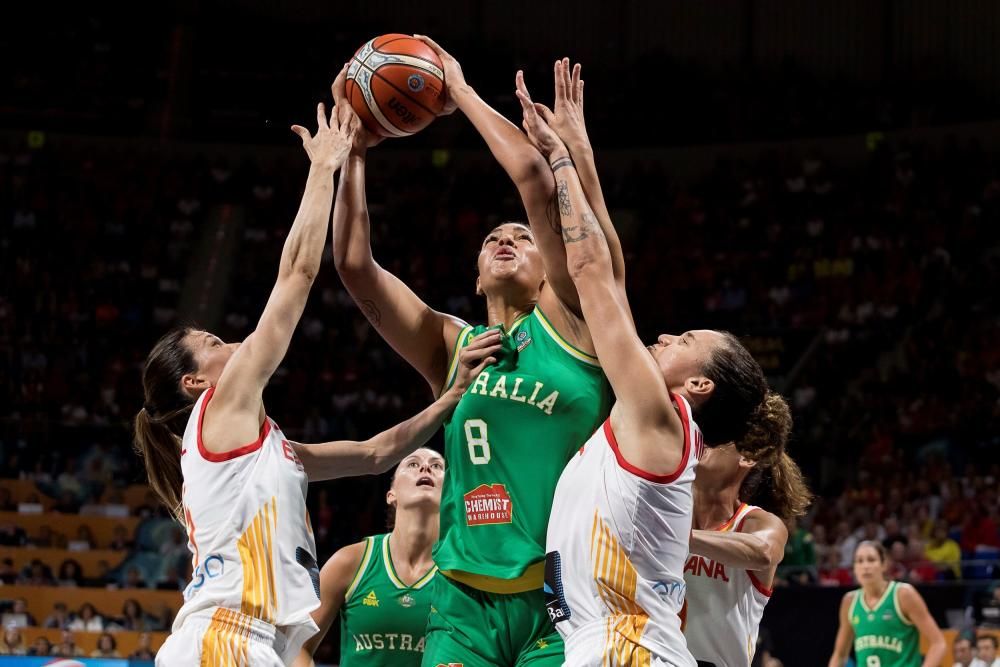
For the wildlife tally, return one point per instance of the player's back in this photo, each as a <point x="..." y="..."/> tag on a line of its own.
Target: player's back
<point x="617" y="542"/>
<point x="248" y="531"/>
<point x="724" y="606"/>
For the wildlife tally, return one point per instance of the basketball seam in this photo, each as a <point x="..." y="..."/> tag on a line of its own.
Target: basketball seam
<point x="408" y="55"/>
<point x="401" y="92"/>
<point x="393" y="131"/>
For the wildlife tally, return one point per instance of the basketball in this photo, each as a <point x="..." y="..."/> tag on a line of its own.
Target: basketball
<point x="396" y="85"/>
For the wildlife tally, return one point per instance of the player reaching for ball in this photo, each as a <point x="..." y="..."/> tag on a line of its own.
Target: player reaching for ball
<point x="518" y="424"/>
<point x="621" y="517"/>
<point x="226" y="470"/>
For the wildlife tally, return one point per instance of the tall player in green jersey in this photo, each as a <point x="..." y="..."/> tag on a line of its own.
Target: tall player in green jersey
<point x="884" y="619"/>
<point x="380" y="586"/>
<point x="527" y="414"/>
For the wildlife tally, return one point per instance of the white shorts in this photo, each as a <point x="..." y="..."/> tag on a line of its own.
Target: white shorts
<point x="222" y="638"/>
<point x="592" y="646"/>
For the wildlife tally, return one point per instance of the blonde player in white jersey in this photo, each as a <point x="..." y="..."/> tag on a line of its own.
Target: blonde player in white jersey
<point x="226" y="469"/>
<point x="736" y="546"/>
<point x="621" y="517"/>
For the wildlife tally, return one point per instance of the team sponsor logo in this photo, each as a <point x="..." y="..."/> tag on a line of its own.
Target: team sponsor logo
<point x="552" y="588"/>
<point x="370" y="600"/>
<point x="673" y="591"/>
<point x="415" y="82"/>
<point x="523" y="340"/>
<point x="213" y="566"/>
<point x="488" y="504"/>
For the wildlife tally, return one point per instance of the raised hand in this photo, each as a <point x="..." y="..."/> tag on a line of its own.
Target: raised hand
<point x="332" y="142"/>
<point x="363" y="139"/>
<point x="454" y="78"/>
<point x="567" y="116"/>
<point x="475" y="357"/>
<point x="536" y="121"/>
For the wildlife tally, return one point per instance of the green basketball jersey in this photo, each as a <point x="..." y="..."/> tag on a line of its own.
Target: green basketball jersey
<point x="506" y="444"/>
<point x="882" y="635"/>
<point x="383" y="621"/>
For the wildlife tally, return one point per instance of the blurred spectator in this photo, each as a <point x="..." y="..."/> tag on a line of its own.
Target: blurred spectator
<point x="799" y="563"/>
<point x="986" y="651"/>
<point x="121" y="540"/>
<point x="944" y="552"/>
<point x="13" y="642"/>
<point x="104" y="577"/>
<point x="60" y="617"/>
<point x="41" y="646"/>
<point x="68" y="502"/>
<point x="87" y="619"/>
<point x="12" y="535"/>
<point x="176" y="548"/>
<point x="170" y="579"/>
<point x="961" y="651"/>
<point x="18" y="616"/>
<point x="67" y="647"/>
<point x="133" y="578"/>
<point x="133" y="617"/>
<point x="84" y="539"/>
<point x="107" y="647"/>
<point x="70" y="573"/>
<point x="7" y="503"/>
<point x="144" y="650"/>
<point x="36" y="573"/>
<point x="831" y="573"/>
<point x="8" y="575"/>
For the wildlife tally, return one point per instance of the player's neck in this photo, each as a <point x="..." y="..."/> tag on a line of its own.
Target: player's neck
<point x="714" y="506"/>
<point x="412" y="538"/>
<point x="874" y="591"/>
<point x="500" y="309"/>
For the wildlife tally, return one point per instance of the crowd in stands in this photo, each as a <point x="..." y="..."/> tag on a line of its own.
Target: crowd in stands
<point x="870" y="289"/>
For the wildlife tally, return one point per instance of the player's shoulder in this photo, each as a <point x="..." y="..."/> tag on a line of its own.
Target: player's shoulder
<point x="849" y="598"/>
<point x="757" y="518"/>
<point x="342" y="566"/>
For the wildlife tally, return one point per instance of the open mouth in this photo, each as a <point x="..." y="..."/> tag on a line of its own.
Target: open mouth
<point x="425" y="481"/>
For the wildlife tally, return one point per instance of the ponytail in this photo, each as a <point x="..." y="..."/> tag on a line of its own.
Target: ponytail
<point x="163" y="417"/>
<point x="776" y="482"/>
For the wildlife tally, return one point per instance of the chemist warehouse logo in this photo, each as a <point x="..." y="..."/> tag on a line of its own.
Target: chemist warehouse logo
<point x="488" y="504"/>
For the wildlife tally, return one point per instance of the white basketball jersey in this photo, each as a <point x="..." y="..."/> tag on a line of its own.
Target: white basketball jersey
<point x="617" y="542"/>
<point x="724" y="606"/>
<point x="252" y="546"/>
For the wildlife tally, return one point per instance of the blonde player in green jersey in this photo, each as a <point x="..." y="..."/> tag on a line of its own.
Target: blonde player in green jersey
<point x="380" y="585"/>
<point x="524" y="417"/>
<point x="884" y="619"/>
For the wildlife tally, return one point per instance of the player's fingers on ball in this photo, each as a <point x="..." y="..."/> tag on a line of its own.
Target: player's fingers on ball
<point x="431" y="43"/>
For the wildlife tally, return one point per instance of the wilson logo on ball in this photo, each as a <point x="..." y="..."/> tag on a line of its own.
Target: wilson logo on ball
<point x="395" y="83"/>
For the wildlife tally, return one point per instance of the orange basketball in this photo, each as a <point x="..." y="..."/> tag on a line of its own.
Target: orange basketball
<point x="396" y="85"/>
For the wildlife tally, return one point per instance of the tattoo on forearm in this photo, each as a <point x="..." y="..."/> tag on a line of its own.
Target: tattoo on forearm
<point x="588" y="228"/>
<point x="371" y="311"/>
<point x="562" y="190"/>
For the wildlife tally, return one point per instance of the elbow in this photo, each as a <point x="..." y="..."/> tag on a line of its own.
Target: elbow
<point x="587" y="267"/>
<point x="764" y="557"/>
<point x="530" y="169"/>
<point x="352" y="268"/>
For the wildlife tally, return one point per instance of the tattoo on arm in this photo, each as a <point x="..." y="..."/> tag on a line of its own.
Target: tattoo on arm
<point x="371" y="311"/>
<point x="562" y="190"/>
<point x="588" y="228"/>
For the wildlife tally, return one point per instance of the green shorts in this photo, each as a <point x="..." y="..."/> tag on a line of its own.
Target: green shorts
<point x="472" y="628"/>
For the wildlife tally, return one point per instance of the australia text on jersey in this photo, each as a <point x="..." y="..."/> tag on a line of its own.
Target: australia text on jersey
<point x="499" y="389"/>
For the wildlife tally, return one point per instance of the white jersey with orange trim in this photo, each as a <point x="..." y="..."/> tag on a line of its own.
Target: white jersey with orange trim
<point x="617" y="542"/>
<point x="252" y="545"/>
<point x="724" y="606"/>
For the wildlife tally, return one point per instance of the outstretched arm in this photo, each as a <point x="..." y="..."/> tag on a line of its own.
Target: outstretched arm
<point x="420" y="334"/>
<point x="331" y="460"/>
<point x="845" y="633"/>
<point x="648" y="420"/>
<point x="334" y="580"/>
<point x="240" y="388"/>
